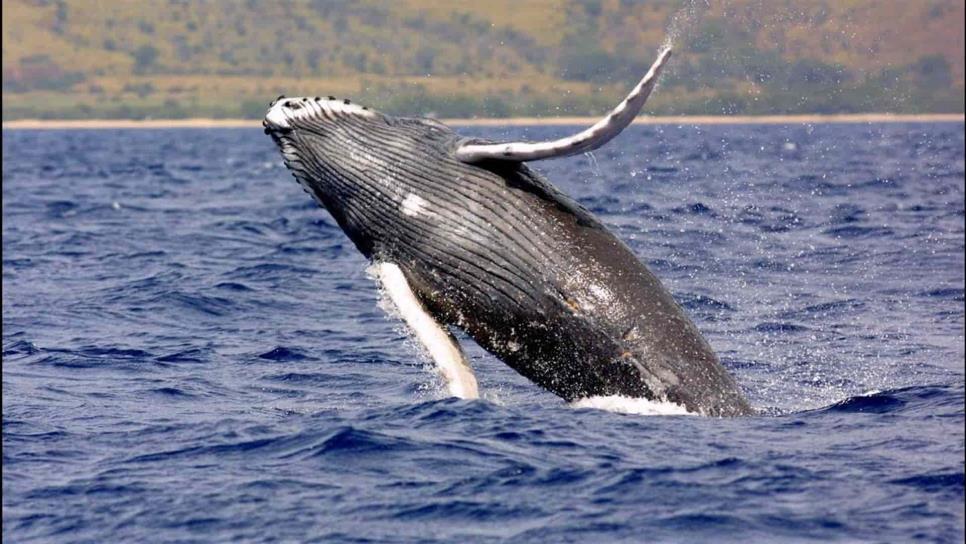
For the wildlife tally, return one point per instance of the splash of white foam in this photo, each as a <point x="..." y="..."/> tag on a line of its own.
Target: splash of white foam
<point x="683" y="22"/>
<point x="636" y="406"/>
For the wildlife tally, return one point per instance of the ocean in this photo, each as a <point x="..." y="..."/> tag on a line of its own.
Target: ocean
<point x="194" y="352"/>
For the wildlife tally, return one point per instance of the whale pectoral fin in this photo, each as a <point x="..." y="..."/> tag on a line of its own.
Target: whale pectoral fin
<point x="587" y="140"/>
<point x="438" y="342"/>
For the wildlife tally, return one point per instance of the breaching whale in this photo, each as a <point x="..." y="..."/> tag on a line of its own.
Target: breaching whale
<point x="464" y="234"/>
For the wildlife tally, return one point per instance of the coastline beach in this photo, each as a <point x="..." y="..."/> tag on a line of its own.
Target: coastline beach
<point x="58" y="124"/>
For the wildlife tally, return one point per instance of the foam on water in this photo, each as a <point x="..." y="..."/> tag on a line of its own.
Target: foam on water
<point x="636" y="406"/>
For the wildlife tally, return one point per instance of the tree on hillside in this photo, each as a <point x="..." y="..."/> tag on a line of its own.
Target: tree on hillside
<point x="144" y="58"/>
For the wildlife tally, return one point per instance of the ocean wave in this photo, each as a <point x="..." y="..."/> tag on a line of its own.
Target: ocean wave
<point x="209" y="362"/>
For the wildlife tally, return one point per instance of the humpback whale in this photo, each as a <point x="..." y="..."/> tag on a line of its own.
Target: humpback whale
<point x="464" y="234"/>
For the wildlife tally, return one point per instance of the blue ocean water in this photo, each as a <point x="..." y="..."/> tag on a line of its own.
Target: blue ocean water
<point x="193" y="351"/>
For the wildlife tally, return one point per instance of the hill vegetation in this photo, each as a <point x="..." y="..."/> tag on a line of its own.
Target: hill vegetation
<point x="179" y="58"/>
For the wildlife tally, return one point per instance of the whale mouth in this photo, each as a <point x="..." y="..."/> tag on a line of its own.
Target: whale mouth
<point x="285" y="114"/>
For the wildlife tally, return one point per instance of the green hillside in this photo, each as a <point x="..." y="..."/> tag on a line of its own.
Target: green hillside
<point x="179" y="58"/>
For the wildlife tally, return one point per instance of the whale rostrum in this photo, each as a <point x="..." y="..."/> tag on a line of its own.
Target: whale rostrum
<point x="464" y="234"/>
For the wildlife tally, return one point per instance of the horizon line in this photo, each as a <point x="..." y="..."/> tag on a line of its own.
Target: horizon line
<point x="206" y="122"/>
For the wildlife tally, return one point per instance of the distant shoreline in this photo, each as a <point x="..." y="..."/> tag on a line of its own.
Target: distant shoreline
<point x="40" y="124"/>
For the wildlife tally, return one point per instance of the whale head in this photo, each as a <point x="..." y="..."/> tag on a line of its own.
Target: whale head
<point x="368" y="169"/>
<point x="328" y="142"/>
